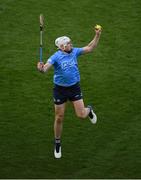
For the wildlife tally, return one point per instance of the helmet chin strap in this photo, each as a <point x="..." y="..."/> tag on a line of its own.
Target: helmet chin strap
<point x="68" y="51"/>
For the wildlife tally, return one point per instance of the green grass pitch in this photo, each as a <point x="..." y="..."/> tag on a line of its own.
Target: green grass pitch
<point x="110" y="80"/>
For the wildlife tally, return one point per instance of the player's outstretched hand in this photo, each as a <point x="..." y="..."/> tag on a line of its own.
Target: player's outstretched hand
<point x="40" y="66"/>
<point x="98" y="29"/>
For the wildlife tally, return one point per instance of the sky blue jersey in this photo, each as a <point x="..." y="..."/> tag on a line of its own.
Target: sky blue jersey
<point x="66" y="72"/>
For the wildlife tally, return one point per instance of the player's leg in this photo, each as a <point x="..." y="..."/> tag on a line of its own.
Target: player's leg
<point x="76" y="97"/>
<point x="59" y="104"/>
<point x="80" y="109"/>
<point x="58" y="125"/>
<point x="83" y="112"/>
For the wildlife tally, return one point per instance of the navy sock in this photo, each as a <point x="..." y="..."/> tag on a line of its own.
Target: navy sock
<point x="57" y="140"/>
<point x="57" y="144"/>
<point x="90" y="114"/>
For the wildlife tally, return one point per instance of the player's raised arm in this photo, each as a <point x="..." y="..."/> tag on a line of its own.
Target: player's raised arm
<point x="43" y="67"/>
<point x="93" y="44"/>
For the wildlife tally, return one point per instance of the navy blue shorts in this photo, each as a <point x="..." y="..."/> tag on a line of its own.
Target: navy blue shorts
<point x="62" y="94"/>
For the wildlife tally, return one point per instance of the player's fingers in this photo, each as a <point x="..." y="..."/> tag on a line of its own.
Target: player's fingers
<point x="39" y="65"/>
<point x="98" y="31"/>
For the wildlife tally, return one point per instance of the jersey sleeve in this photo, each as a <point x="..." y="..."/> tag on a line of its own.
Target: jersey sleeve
<point x="52" y="59"/>
<point x="78" y="51"/>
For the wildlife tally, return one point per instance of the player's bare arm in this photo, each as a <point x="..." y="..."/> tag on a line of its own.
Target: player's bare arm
<point x="43" y="67"/>
<point x="93" y="44"/>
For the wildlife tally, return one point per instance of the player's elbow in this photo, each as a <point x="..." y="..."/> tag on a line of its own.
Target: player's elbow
<point x="89" y="49"/>
<point x="92" y="49"/>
